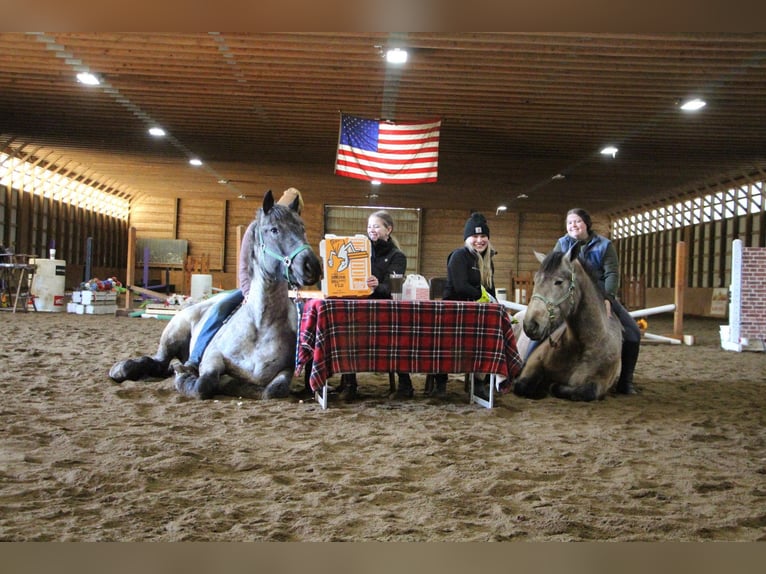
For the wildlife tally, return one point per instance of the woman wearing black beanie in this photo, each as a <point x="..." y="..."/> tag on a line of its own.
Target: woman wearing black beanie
<point x="470" y="273"/>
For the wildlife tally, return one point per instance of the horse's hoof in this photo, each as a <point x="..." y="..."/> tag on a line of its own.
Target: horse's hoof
<point x="185" y="369"/>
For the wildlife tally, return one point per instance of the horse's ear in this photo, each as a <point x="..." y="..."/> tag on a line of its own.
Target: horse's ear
<point x="540" y="256"/>
<point x="268" y="202"/>
<point x="574" y="251"/>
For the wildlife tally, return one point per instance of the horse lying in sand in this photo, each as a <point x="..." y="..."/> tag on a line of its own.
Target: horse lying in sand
<point x="256" y="345"/>
<point x="579" y="352"/>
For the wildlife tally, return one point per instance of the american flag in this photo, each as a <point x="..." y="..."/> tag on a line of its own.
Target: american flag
<point x="389" y="152"/>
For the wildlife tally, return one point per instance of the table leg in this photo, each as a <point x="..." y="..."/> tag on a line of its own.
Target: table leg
<point x="321" y="396"/>
<point x="473" y="398"/>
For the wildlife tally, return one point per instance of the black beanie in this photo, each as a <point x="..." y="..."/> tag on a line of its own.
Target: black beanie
<point x="476" y="225"/>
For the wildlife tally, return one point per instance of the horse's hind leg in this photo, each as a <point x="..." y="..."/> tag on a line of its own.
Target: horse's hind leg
<point x="279" y="387"/>
<point x="143" y="367"/>
<point x="585" y="392"/>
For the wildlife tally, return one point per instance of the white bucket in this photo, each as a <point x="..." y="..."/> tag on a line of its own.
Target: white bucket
<point x="201" y="286"/>
<point x="49" y="285"/>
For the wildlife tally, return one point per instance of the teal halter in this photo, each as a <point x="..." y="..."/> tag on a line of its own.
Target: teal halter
<point x="286" y="259"/>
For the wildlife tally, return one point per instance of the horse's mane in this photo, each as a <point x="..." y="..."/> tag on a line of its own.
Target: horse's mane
<point x="553" y="261"/>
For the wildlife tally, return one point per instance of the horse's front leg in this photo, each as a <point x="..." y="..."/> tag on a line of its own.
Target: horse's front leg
<point x="140" y="368"/>
<point x="589" y="391"/>
<point x="531" y="383"/>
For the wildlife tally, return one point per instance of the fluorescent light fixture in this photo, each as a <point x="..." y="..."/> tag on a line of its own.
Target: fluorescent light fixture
<point x="501" y="209"/>
<point x="375" y="182"/>
<point x="693" y="105"/>
<point x="195" y="162"/>
<point x="558" y="176"/>
<point x="522" y="196"/>
<point x="609" y="150"/>
<point x="157" y="132"/>
<point x="396" y="56"/>
<point x="88" y="79"/>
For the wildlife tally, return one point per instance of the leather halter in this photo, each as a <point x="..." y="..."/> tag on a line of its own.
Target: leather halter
<point x="551" y="306"/>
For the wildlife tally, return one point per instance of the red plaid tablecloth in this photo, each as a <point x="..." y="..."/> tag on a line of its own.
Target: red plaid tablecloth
<point x="367" y="335"/>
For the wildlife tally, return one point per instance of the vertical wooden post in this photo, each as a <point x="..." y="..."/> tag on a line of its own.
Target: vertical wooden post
<point x="131" y="268"/>
<point x="678" y="317"/>
<point x="240" y="233"/>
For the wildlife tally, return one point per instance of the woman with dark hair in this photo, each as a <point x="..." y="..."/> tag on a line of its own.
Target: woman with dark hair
<point x="599" y="253"/>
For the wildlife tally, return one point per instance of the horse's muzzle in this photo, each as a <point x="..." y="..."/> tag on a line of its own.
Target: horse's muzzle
<point x="307" y="268"/>
<point x="535" y="329"/>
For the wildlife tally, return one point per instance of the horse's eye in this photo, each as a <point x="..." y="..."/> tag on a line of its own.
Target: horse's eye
<point x="274" y="230"/>
<point x="558" y="282"/>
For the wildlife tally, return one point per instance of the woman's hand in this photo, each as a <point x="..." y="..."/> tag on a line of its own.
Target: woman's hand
<point x="372" y="282"/>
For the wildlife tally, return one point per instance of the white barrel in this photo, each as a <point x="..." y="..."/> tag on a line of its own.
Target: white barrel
<point x="49" y="285"/>
<point x="201" y="286"/>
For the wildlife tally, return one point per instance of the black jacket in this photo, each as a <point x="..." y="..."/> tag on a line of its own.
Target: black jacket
<point x="386" y="259"/>
<point x="463" y="276"/>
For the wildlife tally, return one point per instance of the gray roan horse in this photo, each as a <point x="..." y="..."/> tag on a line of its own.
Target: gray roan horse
<point x="256" y="346"/>
<point x="579" y="352"/>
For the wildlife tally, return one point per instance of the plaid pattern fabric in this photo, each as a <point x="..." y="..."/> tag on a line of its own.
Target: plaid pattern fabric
<point x="355" y="336"/>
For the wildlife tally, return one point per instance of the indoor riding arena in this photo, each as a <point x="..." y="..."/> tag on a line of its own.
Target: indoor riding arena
<point x="111" y="233"/>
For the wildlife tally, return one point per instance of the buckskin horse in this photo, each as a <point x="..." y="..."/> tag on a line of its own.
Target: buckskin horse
<point x="579" y="352"/>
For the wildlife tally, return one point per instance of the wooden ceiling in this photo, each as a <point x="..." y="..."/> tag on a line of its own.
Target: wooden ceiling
<point x="517" y="109"/>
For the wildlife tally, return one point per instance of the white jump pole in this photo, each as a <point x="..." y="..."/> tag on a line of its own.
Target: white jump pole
<point x="652" y="310"/>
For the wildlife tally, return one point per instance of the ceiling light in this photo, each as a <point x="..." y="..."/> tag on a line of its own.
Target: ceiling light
<point x="223" y="181"/>
<point x="558" y="176"/>
<point x="522" y="196"/>
<point x="88" y="79"/>
<point x="157" y="132"/>
<point x="609" y="150"/>
<point x="396" y="56"/>
<point x="693" y="105"/>
<point x="375" y="182"/>
<point x="195" y="161"/>
<point x="501" y="209"/>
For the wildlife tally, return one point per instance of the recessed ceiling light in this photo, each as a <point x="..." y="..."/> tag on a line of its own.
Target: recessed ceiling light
<point x="396" y="56"/>
<point x="157" y="132"/>
<point x="609" y="150"/>
<point x="693" y="105"/>
<point x="195" y="162"/>
<point x="88" y="79"/>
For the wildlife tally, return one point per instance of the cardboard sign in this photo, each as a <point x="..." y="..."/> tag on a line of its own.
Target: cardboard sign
<point x="347" y="265"/>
